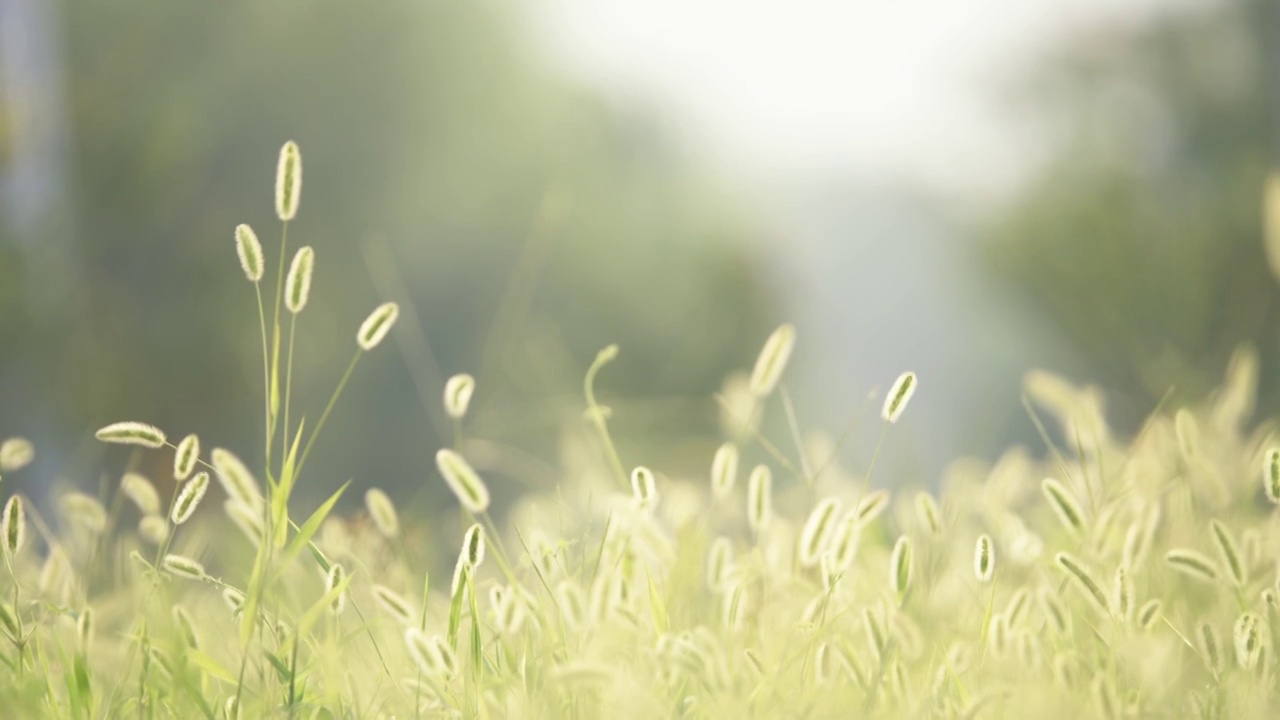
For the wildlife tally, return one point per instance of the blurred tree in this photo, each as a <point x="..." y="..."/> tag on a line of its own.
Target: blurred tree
<point x="528" y="223"/>
<point x="1141" y="239"/>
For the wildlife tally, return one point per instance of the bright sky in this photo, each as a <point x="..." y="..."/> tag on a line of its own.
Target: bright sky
<point x="905" y="87"/>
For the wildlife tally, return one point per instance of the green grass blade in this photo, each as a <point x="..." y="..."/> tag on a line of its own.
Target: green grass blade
<point x="307" y="531"/>
<point x="455" y="609"/>
<point x="205" y="662"/>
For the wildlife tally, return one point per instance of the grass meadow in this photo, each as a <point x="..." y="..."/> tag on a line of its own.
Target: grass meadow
<point x="1100" y="576"/>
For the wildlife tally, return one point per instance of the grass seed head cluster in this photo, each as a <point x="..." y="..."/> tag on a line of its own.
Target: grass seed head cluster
<point x="1100" y="577"/>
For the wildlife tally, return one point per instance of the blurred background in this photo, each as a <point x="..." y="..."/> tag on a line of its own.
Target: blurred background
<point x="967" y="189"/>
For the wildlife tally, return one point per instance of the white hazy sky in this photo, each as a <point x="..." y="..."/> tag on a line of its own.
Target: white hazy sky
<point x="904" y="87"/>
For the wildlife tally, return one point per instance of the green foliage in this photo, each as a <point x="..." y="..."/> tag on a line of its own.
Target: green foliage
<point x="1140" y="241"/>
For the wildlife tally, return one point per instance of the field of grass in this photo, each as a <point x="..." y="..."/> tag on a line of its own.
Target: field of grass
<point x="1100" y="577"/>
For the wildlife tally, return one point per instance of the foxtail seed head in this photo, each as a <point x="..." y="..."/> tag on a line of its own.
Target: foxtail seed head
<point x="1085" y="582"/>
<point x="1192" y="564"/>
<point x="393" y="604"/>
<point x="189" y="498"/>
<point x="644" y="488"/>
<point x="900" y="566"/>
<point x="139" y="489"/>
<point x="724" y="470"/>
<point x="760" y="498"/>
<point x="233" y="599"/>
<point x="13" y="526"/>
<point x="1210" y="647"/>
<point x="298" y="282"/>
<point x="1247" y="638"/>
<point x="899" y="395"/>
<point x="872" y="506"/>
<point x="845" y="541"/>
<point x="235" y="478"/>
<point x="817" y="530"/>
<point x="132" y="433"/>
<point x="15" y="454"/>
<point x="1064" y="505"/>
<point x="153" y="529"/>
<point x="433" y="656"/>
<point x="377" y="325"/>
<point x="473" y="545"/>
<point x="288" y="181"/>
<point x="1271" y="470"/>
<point x="383" y="512"/>
<point x="1122" y="594"/>
<point x="333" y="579"/>
<point x="183" y="566"/>
<point x="463" y="481"/>
<point x="457" y="395"/>
<point x="1230" y="554"/>
<point x="250" y="252"/>
<point x="1149" y="613"/>
<point x="984" y="558"/>
<point x="185" y="457"/>
<point x="773" y="360"/>
<point x="927" y="513"/>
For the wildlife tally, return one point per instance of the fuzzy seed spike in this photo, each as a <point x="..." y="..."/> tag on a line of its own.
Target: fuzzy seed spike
<point x="189" y="498"/>
<point x="132" y="433"/>
<point x="298" y="282"/>
<point x="457" y="395"/>
<point x="895" y="402"/>
<point x="984" y="559"/>
<point x="463" y="481"/>
<point x="288" y="181"/>
<point x="249" y="251"/>
<point x="13" y="526"/>
<point x="1064" y="505"/>
<point x="185" y="457"/>
<point x="377" y="325"/>
<point x="772" y="361"/>
<point x="724" y="470"/>
<point x="760" y="498"/>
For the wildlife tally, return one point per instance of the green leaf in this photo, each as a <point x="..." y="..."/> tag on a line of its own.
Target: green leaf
<point x="280" y="500"/>
<point x="477" y="655"/>
<point x="205" y="662"/>
<point x="321" y="560"/>
<point x="313" y="613"/>
<point x="253" y="594"/>
<point x="307" y="531"/>
<point x="82" y="679"/>
<point x="455" y="609"/>
<point x="282" y="669"/>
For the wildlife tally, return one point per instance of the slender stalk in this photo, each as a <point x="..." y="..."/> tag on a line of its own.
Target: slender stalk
<point x="883" y="429"/>
<point x="293" y="676"/>
<point x="266" y="375"/>
<point x="333" y="400"/>
<point x="275" y="340"/>
<point x="288" y="374"/>
<point x="597" y="413"/>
